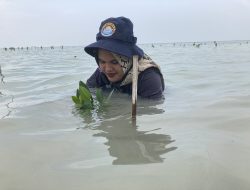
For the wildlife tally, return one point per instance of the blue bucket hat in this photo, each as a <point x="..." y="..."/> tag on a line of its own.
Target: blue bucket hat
<point x="115" y="35"/>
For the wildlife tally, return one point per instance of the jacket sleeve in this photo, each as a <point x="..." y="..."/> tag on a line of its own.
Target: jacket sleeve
<point x="92" y="82"/>
<point x="97" y="79"/>
<point x="150" y="84"/>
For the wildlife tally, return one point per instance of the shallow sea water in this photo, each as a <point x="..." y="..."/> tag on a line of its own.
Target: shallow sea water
<point x="196" y="138"/>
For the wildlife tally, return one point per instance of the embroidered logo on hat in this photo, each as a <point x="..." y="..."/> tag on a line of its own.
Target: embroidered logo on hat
<point x="108" y="29"/>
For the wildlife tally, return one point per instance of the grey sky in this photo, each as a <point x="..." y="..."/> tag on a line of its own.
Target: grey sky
<point x="76" y="22"/>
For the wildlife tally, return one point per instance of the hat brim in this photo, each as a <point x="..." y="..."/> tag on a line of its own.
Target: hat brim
<point x="114" y="46"/>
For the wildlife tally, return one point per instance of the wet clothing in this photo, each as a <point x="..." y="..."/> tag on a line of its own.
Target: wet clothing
<point x="150" y="83"/>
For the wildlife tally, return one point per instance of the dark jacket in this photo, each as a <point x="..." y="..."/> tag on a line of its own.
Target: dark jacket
<point x="150" y="83"/>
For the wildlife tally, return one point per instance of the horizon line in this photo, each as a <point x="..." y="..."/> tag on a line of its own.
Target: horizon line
<point x="145" y="43"/>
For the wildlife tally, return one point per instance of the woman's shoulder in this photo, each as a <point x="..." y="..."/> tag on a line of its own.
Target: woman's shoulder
<point x="151" y="83"/>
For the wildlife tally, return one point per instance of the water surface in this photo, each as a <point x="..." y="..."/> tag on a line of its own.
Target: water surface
<point x="197" y="138"/>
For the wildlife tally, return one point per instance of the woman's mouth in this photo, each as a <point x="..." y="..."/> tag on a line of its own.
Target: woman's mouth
<point x="110" y="75"/>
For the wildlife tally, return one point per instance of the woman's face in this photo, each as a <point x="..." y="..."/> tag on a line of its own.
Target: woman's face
<point x="109" y="66"/>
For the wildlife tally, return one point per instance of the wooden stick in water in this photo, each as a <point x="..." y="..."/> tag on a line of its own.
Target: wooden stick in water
<point x="134" y="85"/>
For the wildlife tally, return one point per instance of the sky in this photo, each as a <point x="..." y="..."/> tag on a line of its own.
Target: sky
<point x="76" y="22"/>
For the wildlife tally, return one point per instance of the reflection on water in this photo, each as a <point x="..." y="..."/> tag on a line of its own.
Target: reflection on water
<point x="125" y="141"/>
<point x="131" y="146"/>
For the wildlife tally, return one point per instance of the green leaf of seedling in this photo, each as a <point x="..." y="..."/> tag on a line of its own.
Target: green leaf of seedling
<point x="75" y="100"/>
<point x="83" y="85"/>
<point x="85" y="94"/>
<point x="85" y="102"/>
<point x="87" y="105"/>
<point x="77" y="93"/>
<point x="99" y="96"/>
<point x="81" y="98"/>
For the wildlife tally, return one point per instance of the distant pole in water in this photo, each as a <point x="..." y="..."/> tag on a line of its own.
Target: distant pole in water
<point x="134" y="86"/>
<point x="198" y="45"/>
<point x="215" y="43"/>
<point x="1" y="75"/>
<point x="153" y="46"/>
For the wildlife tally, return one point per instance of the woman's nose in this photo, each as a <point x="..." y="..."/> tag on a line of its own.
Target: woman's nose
<point x="108" y="67"/>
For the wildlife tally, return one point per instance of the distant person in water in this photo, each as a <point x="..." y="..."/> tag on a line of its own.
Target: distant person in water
<point x="113" y="51"/>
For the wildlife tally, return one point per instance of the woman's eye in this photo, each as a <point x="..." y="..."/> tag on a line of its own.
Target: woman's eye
<point x="114" y="62"/>
<point x="101" y="62"/>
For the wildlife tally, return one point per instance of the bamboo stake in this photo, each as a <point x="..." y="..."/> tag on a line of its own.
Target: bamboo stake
<point x="134" y="85"/>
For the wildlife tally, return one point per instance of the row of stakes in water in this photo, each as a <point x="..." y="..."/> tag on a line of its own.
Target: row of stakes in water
<point x="195" y="44"/>
<point x="27" y="48"/>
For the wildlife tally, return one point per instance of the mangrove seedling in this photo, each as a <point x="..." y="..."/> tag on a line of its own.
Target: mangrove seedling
<point x="84" y="99"/>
